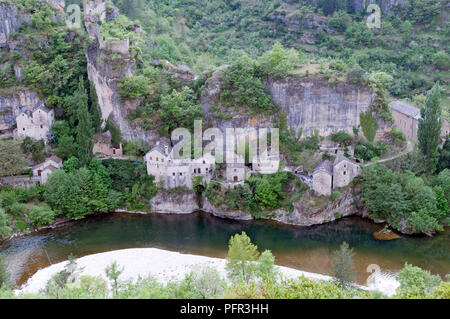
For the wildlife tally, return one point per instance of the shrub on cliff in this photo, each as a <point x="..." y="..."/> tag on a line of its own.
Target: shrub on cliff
<point x="133" y="87"/>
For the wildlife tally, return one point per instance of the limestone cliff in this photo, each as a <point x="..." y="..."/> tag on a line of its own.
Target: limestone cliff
<point x="310" y="104"/>
<point x="107" y="63"/>
<point x="10" y="19"/>
<point x="12" y="105"/>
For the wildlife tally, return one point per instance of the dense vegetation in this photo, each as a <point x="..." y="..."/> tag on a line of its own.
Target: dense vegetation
<point x="259" y="193"/>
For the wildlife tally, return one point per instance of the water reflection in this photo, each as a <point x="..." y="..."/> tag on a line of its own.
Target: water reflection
<point x="306" y="248"/>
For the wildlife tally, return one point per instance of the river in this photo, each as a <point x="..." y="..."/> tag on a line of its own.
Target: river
<point x="305" y="248"/>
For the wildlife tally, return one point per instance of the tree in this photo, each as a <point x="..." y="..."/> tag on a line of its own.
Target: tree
<point x="83" y="129"/>
<point x="12" y="160"/>
<point x="113" y="272"/>
<point x="279" y="62"/>
<point x="430" y="125"/>
<point x="207" y="281"/>
<point x="444" y="157"/>
<point x="343" y="265"/>
<point x="241" y="255"/>
<point x="415" y="278"/>
<point x="266" y="266"/>
<point x="41" y="215"/>
<point x="5" y="230"/>
<point x="4" y="274"/>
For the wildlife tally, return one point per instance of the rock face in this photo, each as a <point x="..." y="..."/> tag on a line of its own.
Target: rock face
<point x="12" y="106"/>
<point x="304" y="213"/>
<point x="311" y="104"/>
<point x="174" y="203"/>
<point x="386" y="6"/>
<point x="108" y="61"/>
<point x="10" y="21"/>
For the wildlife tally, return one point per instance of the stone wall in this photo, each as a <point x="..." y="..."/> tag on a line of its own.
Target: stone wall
<point x="322" y="183"/>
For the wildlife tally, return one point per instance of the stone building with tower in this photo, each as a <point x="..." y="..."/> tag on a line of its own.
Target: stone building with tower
<point x="35" y="124"/>
<point x="174" y="172"/>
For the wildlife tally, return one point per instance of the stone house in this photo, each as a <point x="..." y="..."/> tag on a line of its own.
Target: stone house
<point x="235" y="170"/>
<point x="323" y="178"/>
<point x="103" y="145"/>
<point x="344" y="171"/>
<point x="177" y="172"/>
<point x="44" y="169"/>
<point x="265" y="164"/>
<point x="36" y="124"/>
<point x="328" y="176"/>
<point x="406" y="118"/>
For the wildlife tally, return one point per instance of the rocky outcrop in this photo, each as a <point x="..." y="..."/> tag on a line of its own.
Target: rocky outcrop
<point x="386" y="6"/>
<point x="10" y="21"/>
<point x="171" y="202"/>
<point x="306" y="212"/>
<point x="310" y="104"/>
<point x="12" y="105"/>
<point x="58" y="5"/>
<point x="109" y="61"/>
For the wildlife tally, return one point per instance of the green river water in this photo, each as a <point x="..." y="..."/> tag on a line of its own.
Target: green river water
<point x="305" y="248"/>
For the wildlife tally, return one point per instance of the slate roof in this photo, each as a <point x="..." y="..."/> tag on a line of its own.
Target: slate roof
<point x="104" y="138"/>
<point x="339" y="158"/>
<point x="160" y="147"/>
<point x="326" y="166"/>
<point x="406" y="109"/>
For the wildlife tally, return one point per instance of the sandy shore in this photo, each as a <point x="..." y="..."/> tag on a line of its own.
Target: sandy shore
<point x="163" y="265"/>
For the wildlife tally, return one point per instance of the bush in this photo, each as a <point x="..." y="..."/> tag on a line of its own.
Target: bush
<point x="369" y="125"/>
<point x="334" y="195"/>
<point x="41" y="215"/>
<point x="412" y="277"/>
<point x="341" y="137"/>
<point x="356" y="75"/>
<point x="340" y="21"/>
<point x="441" y="60"/>
<point x="134" y="87"/>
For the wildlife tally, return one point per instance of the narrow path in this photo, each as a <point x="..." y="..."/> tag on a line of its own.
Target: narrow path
<point x="409" y="148"/>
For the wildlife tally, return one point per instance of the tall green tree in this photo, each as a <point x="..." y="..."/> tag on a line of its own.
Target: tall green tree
<point x="430" y="125"/>
<point x="241" y="255"/>
<point x="84" y="130"/>
<point x="343" y="265"/>
<point x="12" y="160"/>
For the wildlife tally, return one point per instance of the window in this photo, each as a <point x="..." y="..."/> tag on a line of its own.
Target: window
<point x="162" y="160"/>
<point x="23" y="129"/>
<point x="195" y="171"/>
<point x="42" y="126"/>
<point x="173" y="174"/>
<point x="181" y="174"/>
<point x="203" y="162"/>
<point x="157" y="159"/>
<point x="345" y="173"/>
<point x="151" y="158"/>
<point x="199" y="170"/>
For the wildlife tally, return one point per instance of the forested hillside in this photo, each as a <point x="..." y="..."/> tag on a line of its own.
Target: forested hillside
<point x="412" y="44"/>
